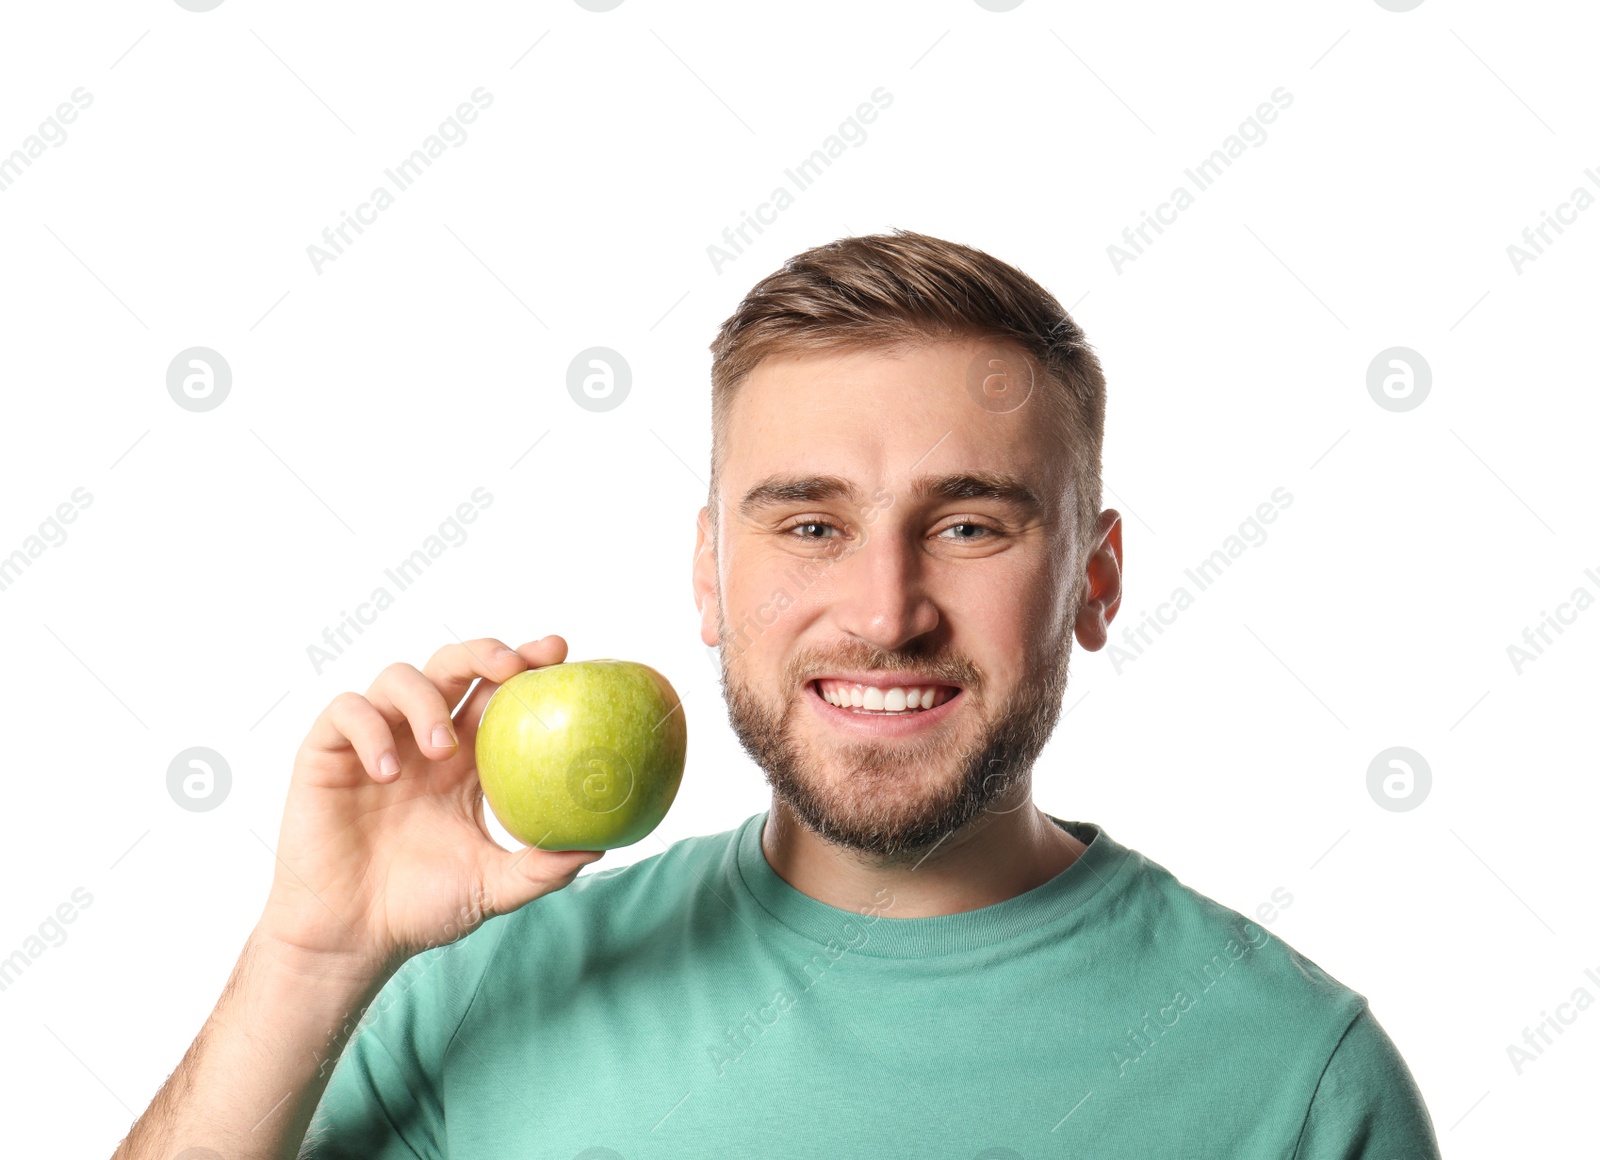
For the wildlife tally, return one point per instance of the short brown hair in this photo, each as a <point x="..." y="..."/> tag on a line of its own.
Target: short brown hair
<point x="904" y="289"/>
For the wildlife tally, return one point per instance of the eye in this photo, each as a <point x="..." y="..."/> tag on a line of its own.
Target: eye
<point x="970" y="539"/>
<point x="807" y="528"/>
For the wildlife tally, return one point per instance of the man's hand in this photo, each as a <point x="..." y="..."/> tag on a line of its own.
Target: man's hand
<point x="383" y="851"/>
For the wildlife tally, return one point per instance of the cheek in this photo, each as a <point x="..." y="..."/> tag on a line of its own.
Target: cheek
<point x="1006" y="623"/>
<point x="745" y="586"/>
<point x="764" y="603"/>
<point x="996" y="636"/>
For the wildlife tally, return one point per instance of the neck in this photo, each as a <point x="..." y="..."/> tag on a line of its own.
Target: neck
<point x="1008" y="850"/>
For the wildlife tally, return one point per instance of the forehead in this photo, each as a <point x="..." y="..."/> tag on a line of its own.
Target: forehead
<point x="879" y="417"/>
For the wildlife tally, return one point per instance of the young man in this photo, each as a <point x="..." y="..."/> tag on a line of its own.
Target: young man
<point x="904" y="956"/>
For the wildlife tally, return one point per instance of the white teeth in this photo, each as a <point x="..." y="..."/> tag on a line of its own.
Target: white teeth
<point x="872" y="699"/>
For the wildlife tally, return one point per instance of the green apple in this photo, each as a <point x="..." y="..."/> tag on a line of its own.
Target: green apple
<point x="585" y="755"/>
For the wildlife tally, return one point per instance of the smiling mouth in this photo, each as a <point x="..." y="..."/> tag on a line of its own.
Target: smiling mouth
<point x="883" y="700"/>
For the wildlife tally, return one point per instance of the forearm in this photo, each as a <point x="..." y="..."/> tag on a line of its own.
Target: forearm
<point x="249" y="1083"/>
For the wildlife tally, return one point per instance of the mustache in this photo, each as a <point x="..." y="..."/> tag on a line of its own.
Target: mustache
<point x="803" y="668"/>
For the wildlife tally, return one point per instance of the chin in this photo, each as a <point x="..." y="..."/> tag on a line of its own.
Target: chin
<point x="875" y="801"/>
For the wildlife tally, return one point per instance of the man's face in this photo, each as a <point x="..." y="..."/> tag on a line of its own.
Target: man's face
<point x="893" y="532"/>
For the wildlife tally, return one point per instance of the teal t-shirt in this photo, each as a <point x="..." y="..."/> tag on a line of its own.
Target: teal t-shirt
<point x="694" y="1004"/>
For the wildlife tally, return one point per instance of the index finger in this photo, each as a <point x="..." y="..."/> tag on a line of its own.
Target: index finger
<point x="455" y="666"/>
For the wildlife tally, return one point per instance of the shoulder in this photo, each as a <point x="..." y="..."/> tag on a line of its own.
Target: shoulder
<point x="1366" y="1092"/>
<point x="685" y="861"/>
<point x="1223" y="957"/>
<point x="1332" y="1058"/>
<point x="620" y="912"/>
<point x="624" y="898"/>
<point x="596" y="913"/>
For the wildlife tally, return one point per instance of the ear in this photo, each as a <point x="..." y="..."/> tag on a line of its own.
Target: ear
<point x="705" y="578"/>
<point x="1102" y="584"/>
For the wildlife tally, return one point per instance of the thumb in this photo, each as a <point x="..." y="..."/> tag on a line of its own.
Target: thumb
<point x="516" y="877"/>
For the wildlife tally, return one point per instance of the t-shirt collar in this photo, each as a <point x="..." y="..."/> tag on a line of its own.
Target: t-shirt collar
<point x="1054" y="907"/>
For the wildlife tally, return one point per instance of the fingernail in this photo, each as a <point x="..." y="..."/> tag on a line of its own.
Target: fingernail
<point x="442" y="738"/>
<point x="508" y="652"/>
<point x="388" y="765"/>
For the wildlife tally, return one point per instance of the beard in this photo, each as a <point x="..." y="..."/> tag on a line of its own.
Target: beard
<point x="891" y="800"/>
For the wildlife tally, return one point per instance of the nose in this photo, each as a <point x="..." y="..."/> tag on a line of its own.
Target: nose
<point x="881" y="595"/>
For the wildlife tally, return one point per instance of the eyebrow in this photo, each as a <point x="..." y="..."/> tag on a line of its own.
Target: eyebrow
<point x="784" y="490"/>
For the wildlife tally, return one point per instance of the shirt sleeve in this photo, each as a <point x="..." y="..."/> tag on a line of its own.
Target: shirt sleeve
<point x="373" y="1107"/>
<point x="384" y="1100"/>
<point x="1367" y="1105"/>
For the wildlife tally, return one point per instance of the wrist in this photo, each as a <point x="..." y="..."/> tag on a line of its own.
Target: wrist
<point x="352" y="971"/>
<point x="312" y="1001"/>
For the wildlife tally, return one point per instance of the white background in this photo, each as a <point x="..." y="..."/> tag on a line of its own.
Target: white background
<point x="371" y="398"/>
